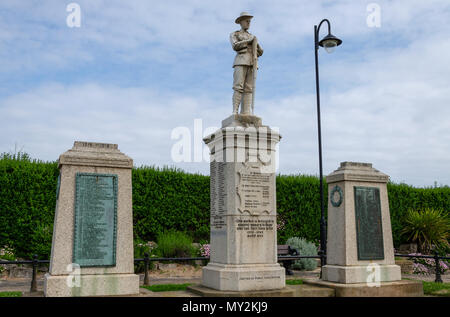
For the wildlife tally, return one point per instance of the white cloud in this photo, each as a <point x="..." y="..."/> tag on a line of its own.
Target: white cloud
<point x="384" y="92"/>
<point x="51" y="117"/>
<point x="124" y="29"/>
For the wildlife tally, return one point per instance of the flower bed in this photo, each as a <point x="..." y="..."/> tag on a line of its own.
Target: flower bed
<point x="428" y="266"/>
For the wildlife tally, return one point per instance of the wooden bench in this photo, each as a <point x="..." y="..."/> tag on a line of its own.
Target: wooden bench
<point x="287" y="250"/>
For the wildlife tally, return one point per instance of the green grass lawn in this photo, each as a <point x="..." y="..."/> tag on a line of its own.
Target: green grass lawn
<point x="436" y="289"/>
<point x="294" y="282"/>
<point x="10" y="294"/>
<point x="167" y="287"/>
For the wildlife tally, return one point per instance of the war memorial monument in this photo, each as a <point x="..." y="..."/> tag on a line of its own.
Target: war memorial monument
<point x="360" y="250"/>
<point x="243" y="195"/>
<point x="92" y="247"/>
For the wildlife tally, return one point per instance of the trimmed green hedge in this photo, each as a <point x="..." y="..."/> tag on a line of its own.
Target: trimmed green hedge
<point x="27" y="204"/>
<point x="403" y="197"/>
<point x="298" y="207"/>
<point x="168" y="198"/>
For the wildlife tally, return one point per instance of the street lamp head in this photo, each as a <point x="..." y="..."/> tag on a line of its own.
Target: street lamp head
<point x="330" y="42"/>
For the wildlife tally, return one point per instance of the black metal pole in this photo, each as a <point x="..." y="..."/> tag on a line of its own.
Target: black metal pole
<point x="323" y="243"/>
<point x="146" y="261"/>
<point x="33" y="287"/>
<point x="438" y="278"/>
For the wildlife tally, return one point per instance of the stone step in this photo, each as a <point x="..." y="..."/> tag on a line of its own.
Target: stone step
<point x="289" y="291"/>
<point x="204" y="291"/>
<point x="305" y="290"/>
<point x="403" y="288"/>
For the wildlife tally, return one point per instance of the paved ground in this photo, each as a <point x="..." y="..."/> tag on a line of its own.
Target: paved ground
<point x="166" y="277"/>
<point x="23" y="284"/>
<point x="429" y="278"/>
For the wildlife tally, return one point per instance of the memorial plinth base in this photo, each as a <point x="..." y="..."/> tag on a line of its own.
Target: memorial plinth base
<point x="239" y="120"/>
<point x="91" y="285"/>
<point x="249" y="277"/>
<point x="404" y="288"/>
<point x="359" y="273"/>
<point x="287" y="291"/>
<point x="93" y="228"/>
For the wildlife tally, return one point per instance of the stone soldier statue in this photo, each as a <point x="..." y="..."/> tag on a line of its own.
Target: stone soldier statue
<point x="243" y="79"/>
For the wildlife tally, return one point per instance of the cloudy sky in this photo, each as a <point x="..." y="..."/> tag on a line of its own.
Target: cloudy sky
<point x="136" y="70"/>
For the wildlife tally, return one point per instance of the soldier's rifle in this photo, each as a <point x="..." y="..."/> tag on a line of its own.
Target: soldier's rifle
<point x="255" y="69"/>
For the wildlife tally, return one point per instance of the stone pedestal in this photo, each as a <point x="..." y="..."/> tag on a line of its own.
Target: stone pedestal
<point x="243" y="207"/>
<point x="404" y="288"/>
<point x="92" y="247"/>
<point x="359" y="242"/>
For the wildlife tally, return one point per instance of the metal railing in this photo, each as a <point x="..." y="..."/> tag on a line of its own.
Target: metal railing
<point x="147" y="259"/>
<point x="35" y="262"/>
<point x="436" y="257"/>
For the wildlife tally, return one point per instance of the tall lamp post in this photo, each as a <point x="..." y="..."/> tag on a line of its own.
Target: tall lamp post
<point x="329" y="42"/>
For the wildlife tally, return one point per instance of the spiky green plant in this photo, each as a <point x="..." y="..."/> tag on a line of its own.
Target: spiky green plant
<point x="427" y="227"/>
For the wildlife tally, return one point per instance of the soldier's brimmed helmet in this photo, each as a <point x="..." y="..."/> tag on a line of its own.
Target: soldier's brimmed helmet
<point x="243" y="16"/>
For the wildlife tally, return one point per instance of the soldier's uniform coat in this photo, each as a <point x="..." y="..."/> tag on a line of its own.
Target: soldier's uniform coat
<point x="243" y="62"/>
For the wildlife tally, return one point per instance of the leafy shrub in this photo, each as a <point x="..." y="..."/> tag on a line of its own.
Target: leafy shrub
<point x="427" y="227"/>
<point x="6" y="255"/>
<point x="175" y="244"/>
<point x="442" y="250"/>
<point x="304" y="247"/>
<point x="140" y="248"/>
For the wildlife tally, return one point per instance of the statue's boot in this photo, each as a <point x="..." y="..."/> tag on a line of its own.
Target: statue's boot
<point x="237" y="96"/>
<point x="247" y="104"/>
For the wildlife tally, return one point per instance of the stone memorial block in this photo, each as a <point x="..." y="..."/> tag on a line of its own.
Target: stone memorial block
<point x="92" y="247"/>
<point x="243" y="208"/>
<point x="359" y="239"/>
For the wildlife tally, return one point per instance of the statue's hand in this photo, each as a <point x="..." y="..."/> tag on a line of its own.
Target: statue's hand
<point x="252" y="37"/>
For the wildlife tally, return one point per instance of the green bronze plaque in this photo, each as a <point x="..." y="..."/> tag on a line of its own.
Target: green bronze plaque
<point x="95" y="219"/>
<point x="369" y="230"/>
